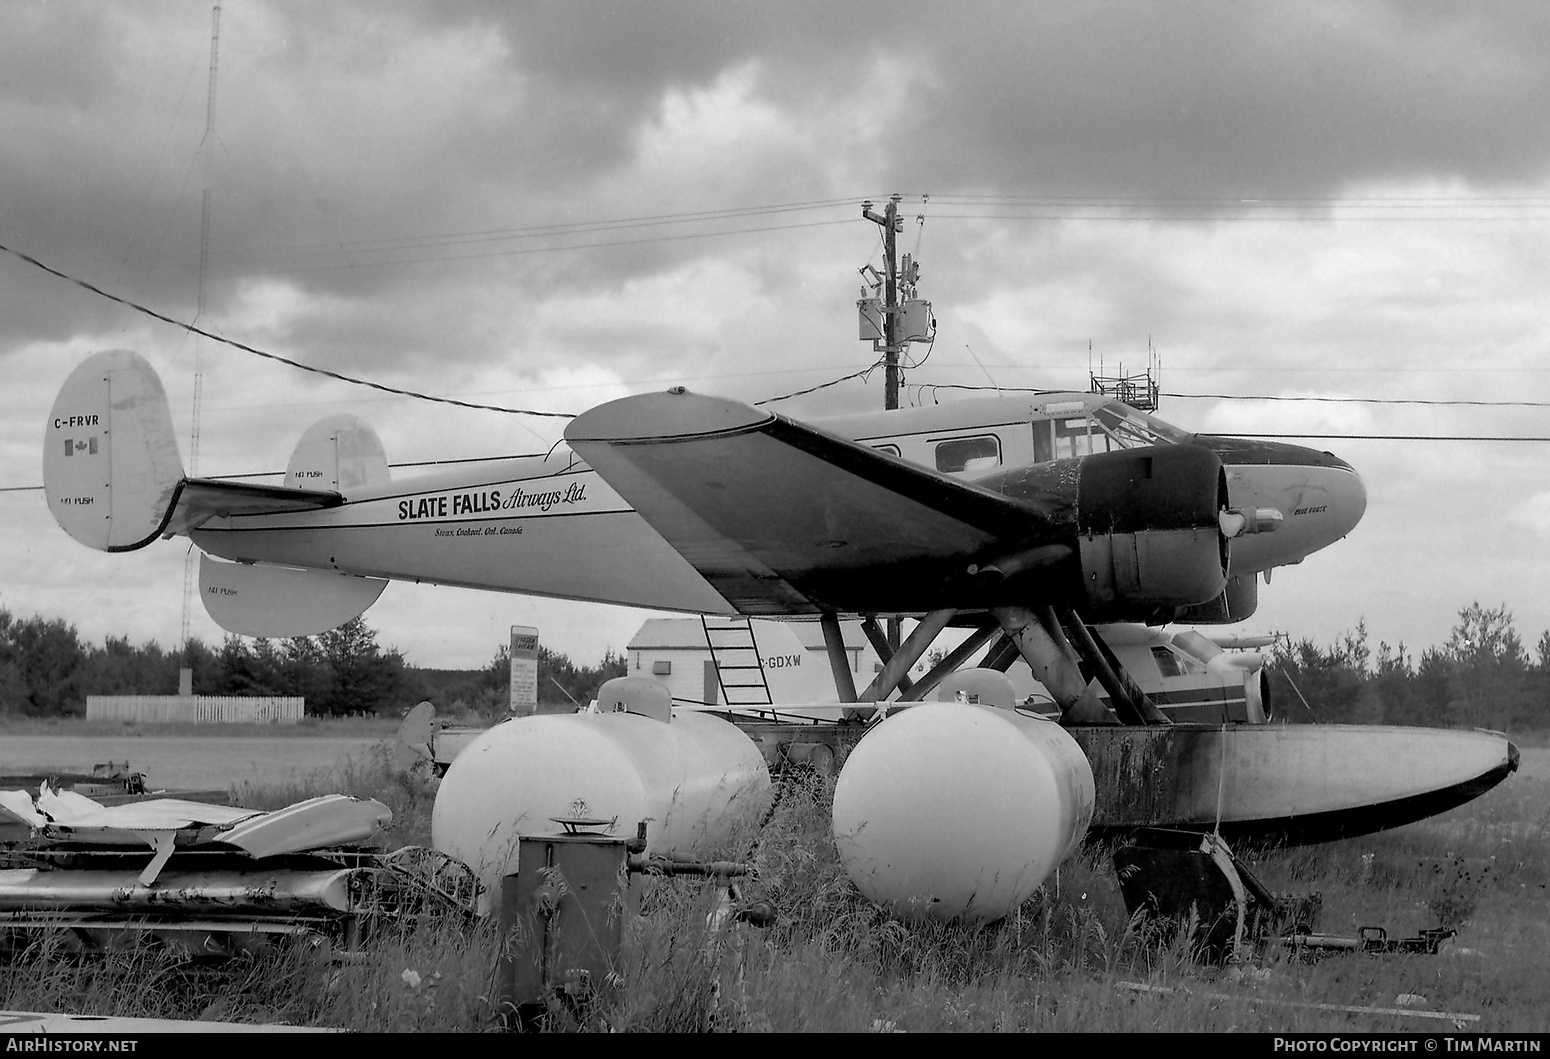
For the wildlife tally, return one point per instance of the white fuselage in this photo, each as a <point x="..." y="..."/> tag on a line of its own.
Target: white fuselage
<point x="550" y="526"/>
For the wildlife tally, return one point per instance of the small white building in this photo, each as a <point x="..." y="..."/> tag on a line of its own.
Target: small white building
<point x="762" y="661"/>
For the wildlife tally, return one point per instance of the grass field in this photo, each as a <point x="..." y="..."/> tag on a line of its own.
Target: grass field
<point x="1069" y="959"/>
<point x="381" y="727"/>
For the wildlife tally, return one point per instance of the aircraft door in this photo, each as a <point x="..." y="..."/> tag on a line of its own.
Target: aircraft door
<point x="1043" y="441"/>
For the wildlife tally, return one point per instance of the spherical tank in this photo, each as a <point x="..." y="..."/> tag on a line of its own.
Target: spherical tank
<point x="954" y="810"/>
<point x="691" y="779"/>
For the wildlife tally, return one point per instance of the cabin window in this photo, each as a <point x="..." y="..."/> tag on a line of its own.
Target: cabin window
<point x="971" y="454"/>
<point x="1073" y="437"/>
<point x="892" y="450"/>
<point x="661" y="668"/>
<point x="1043" y="441"/>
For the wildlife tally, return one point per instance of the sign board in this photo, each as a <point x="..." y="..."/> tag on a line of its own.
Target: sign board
<point x="524" y="669"/>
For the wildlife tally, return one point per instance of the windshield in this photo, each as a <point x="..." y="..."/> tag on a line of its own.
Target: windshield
<point x="1082" y="429"/>
<point x="1130" y="427"/>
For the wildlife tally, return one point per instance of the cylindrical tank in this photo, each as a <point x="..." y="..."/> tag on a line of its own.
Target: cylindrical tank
<point x="692" y="779"/>
<point x="952" y="810"/>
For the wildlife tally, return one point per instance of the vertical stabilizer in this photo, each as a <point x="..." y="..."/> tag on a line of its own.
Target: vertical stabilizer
<point x="111" y="465"/>
<point x="761" y="662"/>
<point x="794" y="674"/>
<point x="341" y="453"/>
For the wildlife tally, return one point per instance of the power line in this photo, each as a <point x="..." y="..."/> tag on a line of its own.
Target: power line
<point x="402" y="250"/>
<point x="1047" y="207"/>
<point x="922" y="387"/>
<point x="1240" y="209"/>
<point x="823" y="385"/>
<point x="530" y="231"/>
<point x="431" y="239"/>
<point x="1530" y="439"/>
<point x="1203" y="201"/>
<point x="1053" y="207"/>
<point x="1359" y="400"/>
<point x="137" y="307"/>
<point x="1394" y="437"/>
<point x="1061" y="202"/>
<point x="521" y="252"/>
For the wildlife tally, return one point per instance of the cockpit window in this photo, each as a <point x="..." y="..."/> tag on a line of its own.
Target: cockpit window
<point x="1107" y="428"/>
<point x="1122" y="432"/>
<point x="1172" y="665"/>
<point x="971" y="454"/>
<point x="1131" y="426"/>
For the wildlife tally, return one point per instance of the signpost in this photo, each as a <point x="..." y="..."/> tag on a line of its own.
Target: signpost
<point x="524" y="670"/>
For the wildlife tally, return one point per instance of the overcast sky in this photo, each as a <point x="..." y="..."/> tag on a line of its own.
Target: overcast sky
<point x="550" y="205"/>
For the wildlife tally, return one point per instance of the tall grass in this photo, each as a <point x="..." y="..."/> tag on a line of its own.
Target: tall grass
<point x="832" y="961"/>
<point x="428" y="978"/>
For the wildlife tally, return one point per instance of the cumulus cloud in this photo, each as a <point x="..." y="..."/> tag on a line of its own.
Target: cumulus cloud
<point x="1533" y="513"/>
<point x="546" y="205"/>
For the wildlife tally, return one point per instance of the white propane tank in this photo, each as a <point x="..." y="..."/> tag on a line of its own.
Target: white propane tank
<point x="692" y="779"/>
<point x="951" y="810"/>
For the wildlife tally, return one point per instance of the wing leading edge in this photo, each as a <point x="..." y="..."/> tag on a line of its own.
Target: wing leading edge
<point x="783" y="518"/>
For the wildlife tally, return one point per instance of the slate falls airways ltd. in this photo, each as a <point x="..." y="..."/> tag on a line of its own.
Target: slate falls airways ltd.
<point x="1018" y="521"/>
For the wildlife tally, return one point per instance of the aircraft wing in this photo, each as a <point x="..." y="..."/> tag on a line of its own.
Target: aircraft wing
<point x="197" y="500"/>
<point x="782" y="518"/>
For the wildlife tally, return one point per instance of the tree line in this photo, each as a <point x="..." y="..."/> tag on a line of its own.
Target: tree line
<point x="46" y="670"/>
<point x="1483" y="677"/>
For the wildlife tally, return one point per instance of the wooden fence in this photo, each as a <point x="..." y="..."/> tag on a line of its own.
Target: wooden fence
<point x="199" y="709"/>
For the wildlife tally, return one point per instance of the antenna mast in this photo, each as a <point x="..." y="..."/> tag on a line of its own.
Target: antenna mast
<point x="207" y="148"/>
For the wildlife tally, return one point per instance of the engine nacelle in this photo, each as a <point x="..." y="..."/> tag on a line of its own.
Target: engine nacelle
<point x="1237" y="601"/>
<point x="1148" y="532"/>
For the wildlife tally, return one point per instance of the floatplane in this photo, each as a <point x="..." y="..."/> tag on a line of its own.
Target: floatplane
<point x="1018" y="522"/>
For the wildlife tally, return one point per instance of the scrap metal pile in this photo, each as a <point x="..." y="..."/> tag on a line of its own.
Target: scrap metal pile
<point x="1195" y="881"/>
<point x="209" y="881"/>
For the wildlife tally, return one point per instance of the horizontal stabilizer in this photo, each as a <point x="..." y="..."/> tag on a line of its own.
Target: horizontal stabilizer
<point x="278" y="601"/>
<point x="199" y="499"/>
<point x="202" y="498"/>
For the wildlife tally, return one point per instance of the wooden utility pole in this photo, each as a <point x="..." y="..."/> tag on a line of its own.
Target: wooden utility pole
<point x="890" y="222"/>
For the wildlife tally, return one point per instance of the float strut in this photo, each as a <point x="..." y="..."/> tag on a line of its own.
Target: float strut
<point x="839" y="658"/>
<point x="1052" y="665"/>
